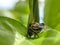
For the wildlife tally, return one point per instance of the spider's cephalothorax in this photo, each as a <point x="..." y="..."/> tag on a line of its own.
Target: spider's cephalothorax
<point x="34" y="29"/>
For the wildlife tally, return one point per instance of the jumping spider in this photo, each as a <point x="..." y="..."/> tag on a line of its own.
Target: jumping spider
<point x="34" y="29"/>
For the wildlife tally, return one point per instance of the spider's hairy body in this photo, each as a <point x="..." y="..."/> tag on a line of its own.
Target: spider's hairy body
<point x="33" y="30"/>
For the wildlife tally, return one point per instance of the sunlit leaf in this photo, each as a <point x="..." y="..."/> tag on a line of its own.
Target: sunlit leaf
<point x="22" y="7"/>
<point x="52" y="13"/>
<point x="48" y="37"/>
<point x="8" y="28"/>
<point x="6" y="13"/>
<point x="22" y="18"/>
<point x="19" y="12"/>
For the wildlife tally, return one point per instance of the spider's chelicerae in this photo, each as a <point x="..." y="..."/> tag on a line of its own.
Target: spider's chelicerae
<point x="34" y="29"/>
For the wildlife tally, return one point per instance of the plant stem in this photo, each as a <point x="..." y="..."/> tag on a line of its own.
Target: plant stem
<point x="34" y="15"/>
<point x="34" y="11"/>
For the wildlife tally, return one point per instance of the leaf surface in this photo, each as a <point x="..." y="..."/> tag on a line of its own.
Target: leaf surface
<point x="52" y="13"/>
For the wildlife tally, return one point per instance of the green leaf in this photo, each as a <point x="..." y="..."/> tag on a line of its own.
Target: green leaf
<point x="48" y="37"/>
<point x="22" y="7"/>
<point x="22" y="18"/>
<point x="6" y="13"/>
<point x="52" y="13"/>
<point x="8" y="28"/>
<point x="19" y="12"/>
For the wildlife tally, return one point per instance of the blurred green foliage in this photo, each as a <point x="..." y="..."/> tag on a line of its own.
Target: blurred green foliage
<point x="13" y="25"/>
<point x="52" y="14"/>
